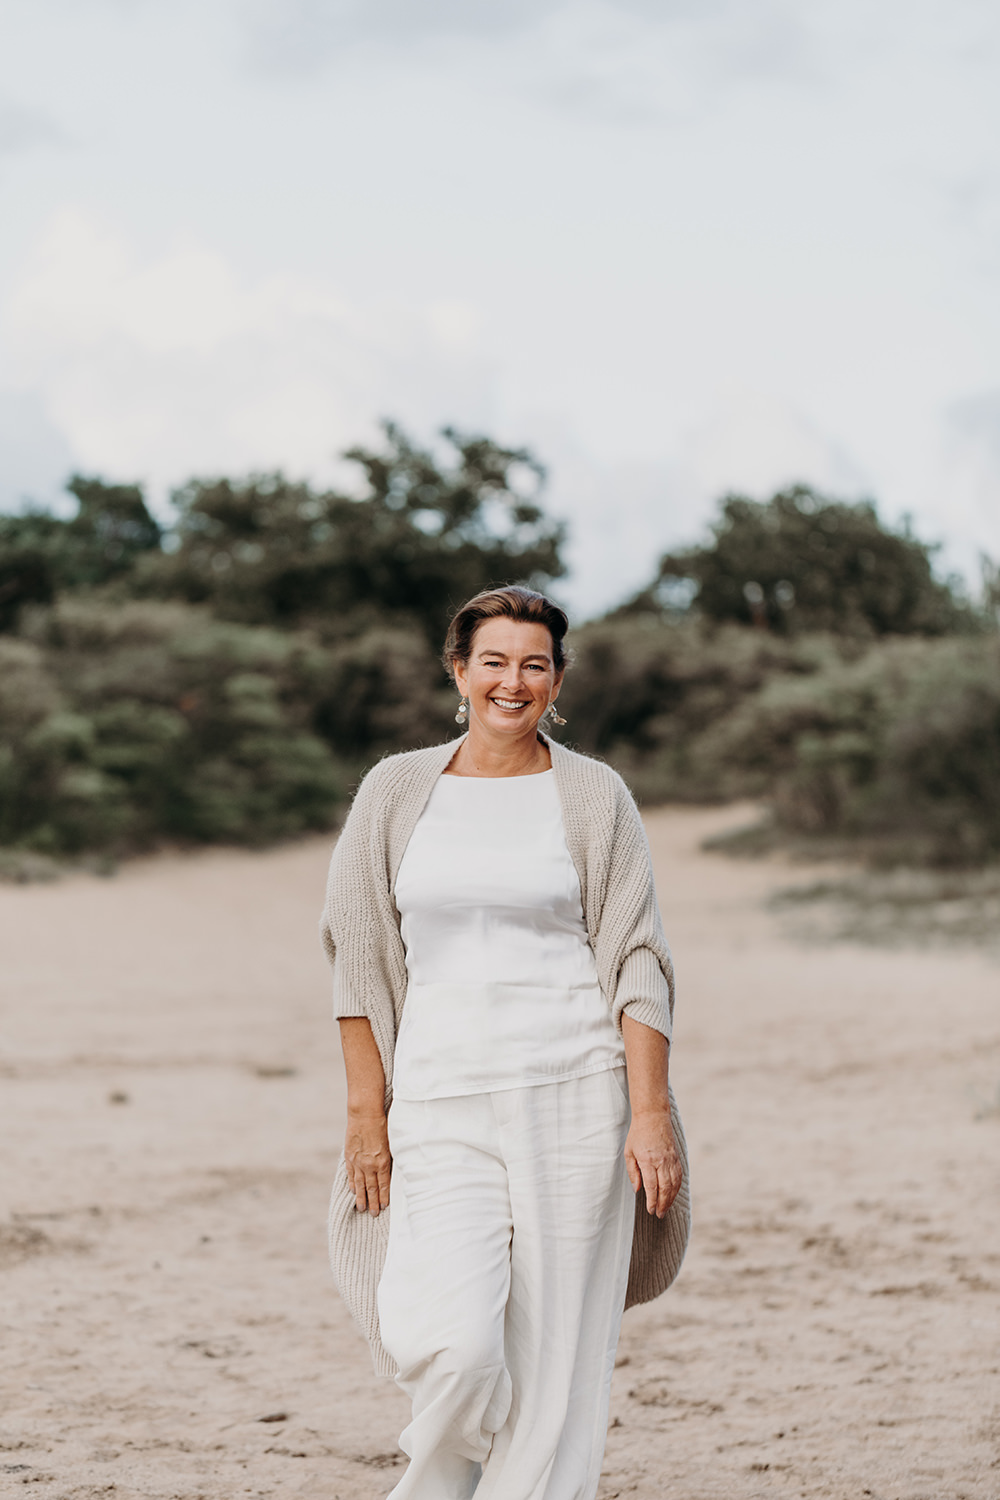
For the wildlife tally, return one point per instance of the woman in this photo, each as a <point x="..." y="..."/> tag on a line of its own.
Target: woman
<point x="502" y="981"/>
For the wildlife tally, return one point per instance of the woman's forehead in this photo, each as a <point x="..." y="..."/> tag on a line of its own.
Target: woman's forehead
<point x="513" y="638"/>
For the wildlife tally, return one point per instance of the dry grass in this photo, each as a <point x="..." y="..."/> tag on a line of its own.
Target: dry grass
<point x="897" y="908"/>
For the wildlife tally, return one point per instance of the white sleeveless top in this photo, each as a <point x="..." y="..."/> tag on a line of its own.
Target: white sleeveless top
<point x="503" y="989"/>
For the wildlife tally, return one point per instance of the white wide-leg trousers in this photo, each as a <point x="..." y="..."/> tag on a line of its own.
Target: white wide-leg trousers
<point x="504" y="1284"/>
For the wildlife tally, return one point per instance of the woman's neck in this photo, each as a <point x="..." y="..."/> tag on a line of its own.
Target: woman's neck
<point x="479" y="755"/>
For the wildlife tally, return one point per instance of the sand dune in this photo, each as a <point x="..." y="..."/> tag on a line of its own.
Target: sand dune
<point x="172" y="1101"/>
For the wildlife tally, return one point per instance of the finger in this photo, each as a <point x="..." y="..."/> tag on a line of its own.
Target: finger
<point x="383" y="1185"/>
<point x="632" y="1168"/>
<point x="371" y="1187"/>
<point x="662" y="1189"/>
<point x="670" y="1185"/>
<point x="357" y="1185"/>
<point x="656" y="1185"/>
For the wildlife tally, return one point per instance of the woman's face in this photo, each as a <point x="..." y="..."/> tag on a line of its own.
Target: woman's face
<point x="510" y="678"/>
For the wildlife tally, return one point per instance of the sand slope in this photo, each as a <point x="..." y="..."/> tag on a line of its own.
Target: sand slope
<point x="172" y="1104"/>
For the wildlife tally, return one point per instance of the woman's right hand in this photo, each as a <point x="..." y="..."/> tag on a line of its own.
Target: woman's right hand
<point x="368" y="1159"/>
<point x="366" y="1140"/>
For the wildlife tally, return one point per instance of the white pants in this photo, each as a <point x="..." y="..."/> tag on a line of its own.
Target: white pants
<point x="504" y="1283"/>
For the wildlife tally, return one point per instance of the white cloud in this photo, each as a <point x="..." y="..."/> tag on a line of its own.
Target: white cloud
<point x="175" y="364"/>
<point x="626" y="515"/>
<point x="160" y="366"/>
<point x="755" y="444"/>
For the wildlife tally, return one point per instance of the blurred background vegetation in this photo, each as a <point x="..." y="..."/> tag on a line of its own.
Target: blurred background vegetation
<point x="229" y="677"/>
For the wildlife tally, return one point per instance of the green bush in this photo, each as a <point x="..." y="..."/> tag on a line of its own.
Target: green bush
<point x="644" y="690"/>
<point x="896" y="745"/>
<point x="900" y="749"/>
<point x="384" y="690"/>
<point x="124" y="725"/>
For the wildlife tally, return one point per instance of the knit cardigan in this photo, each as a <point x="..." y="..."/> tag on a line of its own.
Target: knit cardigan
<point x="360" y="930"/>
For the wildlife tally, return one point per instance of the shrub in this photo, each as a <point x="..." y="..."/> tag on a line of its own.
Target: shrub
<point x="142" y="721"/>
<point x="900" y="749"/>
<point x="643" y="691"/>
<point x="382" y="691"/>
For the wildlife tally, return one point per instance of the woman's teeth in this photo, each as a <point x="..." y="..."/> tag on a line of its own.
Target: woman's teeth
<point x="509" y="703"/>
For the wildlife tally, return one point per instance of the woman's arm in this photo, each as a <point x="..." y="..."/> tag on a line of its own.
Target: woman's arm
<point x="366" y="1140"/>
<point x="651" y="1157"/>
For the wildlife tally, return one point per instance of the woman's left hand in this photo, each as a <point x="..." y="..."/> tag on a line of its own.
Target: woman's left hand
<point x="652" y="1160"/>
<point x="651" y="1155"/>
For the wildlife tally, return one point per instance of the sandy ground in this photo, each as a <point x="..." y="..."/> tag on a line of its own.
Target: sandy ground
<point x="172" y="1102"/>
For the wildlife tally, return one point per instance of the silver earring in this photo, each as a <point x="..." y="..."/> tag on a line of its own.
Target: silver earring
<point x="463" y="712"/>
<point x="553" y="715"/>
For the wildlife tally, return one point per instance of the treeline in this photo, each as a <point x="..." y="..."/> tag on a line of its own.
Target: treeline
<point x="230" y="676"/>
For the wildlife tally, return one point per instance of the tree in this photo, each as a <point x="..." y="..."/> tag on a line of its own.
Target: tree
<point x="42" y="554"/>
<point x="800" y="561"/>
<point x="422" y="537"/>
<point x="112" y="528"/>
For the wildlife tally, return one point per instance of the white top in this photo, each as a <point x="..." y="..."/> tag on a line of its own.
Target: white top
<point x="503" y="988"/>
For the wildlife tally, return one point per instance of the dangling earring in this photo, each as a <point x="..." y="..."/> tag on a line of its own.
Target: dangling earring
<point x="553" y="714"/>
<point x="463" y="713"/>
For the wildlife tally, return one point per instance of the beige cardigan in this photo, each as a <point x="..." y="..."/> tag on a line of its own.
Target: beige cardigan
<point x="361" y="936"/>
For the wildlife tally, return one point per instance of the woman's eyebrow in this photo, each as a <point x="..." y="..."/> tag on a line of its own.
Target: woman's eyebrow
<point x="532" y="655"/>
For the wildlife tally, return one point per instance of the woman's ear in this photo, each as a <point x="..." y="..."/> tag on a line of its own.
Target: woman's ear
<point x="461" y="680"/>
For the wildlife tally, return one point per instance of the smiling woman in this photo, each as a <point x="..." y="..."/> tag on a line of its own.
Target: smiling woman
<point x="505" y="998"/>
<point x="505" y="652"/>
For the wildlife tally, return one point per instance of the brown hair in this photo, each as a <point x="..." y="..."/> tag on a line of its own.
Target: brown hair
<point x="511" y="601"/>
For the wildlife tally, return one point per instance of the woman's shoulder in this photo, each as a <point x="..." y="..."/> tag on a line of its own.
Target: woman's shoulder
<point x="587" y="772"/>
<point x="395" y="772"/>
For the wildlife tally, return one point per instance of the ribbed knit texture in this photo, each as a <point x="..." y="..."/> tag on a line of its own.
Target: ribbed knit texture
<point x="361" y="937"/>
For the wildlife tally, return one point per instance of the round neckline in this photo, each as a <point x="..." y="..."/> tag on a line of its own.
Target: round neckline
<point x="530" y="776"/>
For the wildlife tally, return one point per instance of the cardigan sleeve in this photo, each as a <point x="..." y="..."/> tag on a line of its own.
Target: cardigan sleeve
<point x="645" y="972"/>
<point x="347" y="896"/>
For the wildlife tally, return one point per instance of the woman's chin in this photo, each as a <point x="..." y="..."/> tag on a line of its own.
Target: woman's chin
<point x="506" y="723"/>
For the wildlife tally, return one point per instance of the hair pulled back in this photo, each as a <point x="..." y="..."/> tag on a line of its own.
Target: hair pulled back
<point x="511" y="601"/>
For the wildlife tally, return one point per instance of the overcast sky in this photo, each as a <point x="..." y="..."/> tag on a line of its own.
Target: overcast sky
<point x="675" y="246"/>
